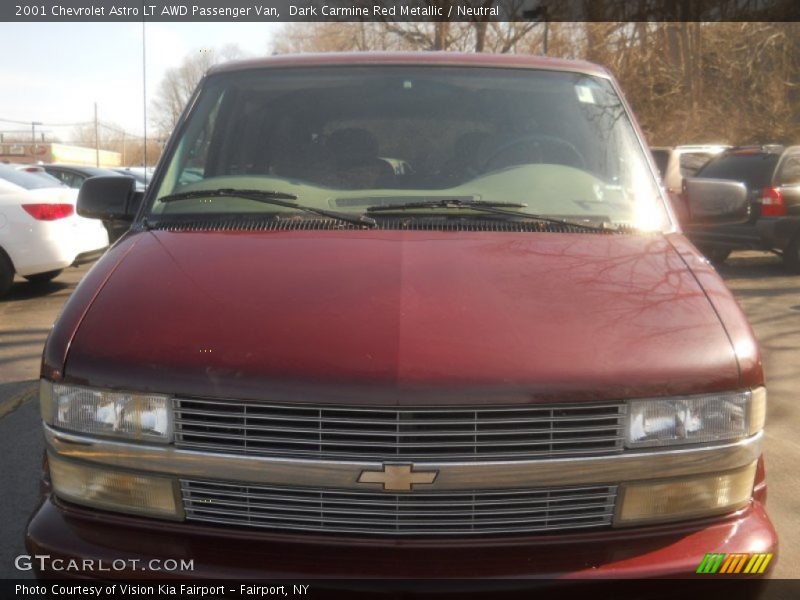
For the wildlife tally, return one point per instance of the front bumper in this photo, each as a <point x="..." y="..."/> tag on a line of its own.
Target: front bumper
<point x="60" y="244"/>
<point x="71" y="533"/>
<point x="778" y="233"/>
<point x="66" y="531"/>
<point x="766" y="233"/>
<point x="88" y="257"/>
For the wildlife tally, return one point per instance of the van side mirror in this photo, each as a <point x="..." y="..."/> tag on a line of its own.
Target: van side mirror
<point x="109" y="198"/>
<point x="716" y="201"/>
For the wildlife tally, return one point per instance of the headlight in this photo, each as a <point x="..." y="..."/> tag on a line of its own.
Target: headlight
<point x="146" y="417"/>
<point x="695" y="419"/>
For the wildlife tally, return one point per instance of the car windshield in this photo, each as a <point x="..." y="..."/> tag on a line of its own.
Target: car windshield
<point x="353" y="138"/>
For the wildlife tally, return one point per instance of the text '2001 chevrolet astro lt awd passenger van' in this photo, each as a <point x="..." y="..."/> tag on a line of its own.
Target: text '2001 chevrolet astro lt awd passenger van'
<point x="404" y="315"/>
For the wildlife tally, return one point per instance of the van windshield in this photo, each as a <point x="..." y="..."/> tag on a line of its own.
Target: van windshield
<point x="354" y="138"/>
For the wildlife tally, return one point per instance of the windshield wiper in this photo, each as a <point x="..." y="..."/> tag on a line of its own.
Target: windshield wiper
<point x="445" y="203"/>
<point x="497" y="208"/>
<point x="273" y="198"/>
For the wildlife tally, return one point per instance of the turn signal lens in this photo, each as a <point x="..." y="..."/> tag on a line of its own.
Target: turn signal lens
<point x="118" y="491"/>
<point x="685" y="498"/>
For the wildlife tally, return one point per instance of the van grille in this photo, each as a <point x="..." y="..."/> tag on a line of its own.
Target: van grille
<point x="441" y="434"/>
<point x="415" y="514"/>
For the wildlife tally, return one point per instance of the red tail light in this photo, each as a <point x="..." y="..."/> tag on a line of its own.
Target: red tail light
<point x="49" y="212"/>
<point x="772" y="203"/>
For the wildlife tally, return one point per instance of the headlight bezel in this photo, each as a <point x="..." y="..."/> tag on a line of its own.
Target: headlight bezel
<point x="752" y="403"/>
<point x="118" y="414"/>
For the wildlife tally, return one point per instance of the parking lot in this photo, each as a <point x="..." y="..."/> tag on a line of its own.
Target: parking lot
<point x="770" y="297"/>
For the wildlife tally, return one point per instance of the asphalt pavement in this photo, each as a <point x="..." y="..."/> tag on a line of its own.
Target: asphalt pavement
<point x="26" y="316"/>
<point x="769" y="296"/>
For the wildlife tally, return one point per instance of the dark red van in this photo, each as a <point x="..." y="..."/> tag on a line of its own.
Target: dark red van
<point x="403" y="315"/>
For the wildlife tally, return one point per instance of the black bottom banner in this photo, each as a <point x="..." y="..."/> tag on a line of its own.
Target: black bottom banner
<point x="724" y="589"/>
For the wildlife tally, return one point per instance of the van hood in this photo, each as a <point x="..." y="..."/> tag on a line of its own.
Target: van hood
<point x="401" y="317"/>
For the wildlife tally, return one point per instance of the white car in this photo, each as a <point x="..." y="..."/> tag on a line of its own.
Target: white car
<point x="39" y="171"/>
<point x="40" y="233"/>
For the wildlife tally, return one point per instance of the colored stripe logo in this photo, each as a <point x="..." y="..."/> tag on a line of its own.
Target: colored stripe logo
<point x="743" y="563"/>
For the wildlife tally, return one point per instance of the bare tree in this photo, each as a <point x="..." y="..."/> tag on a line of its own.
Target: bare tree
<point x="705" y="82"/>
<point x="180" y="82"/>
<point x="84" y="135"/>
<point x="688" y="81"/>
<point x="114" y="138"/>
<point x="135" y="155"/>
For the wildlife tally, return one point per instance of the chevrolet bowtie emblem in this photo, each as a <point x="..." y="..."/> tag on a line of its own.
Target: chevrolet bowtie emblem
<point x="398" y="478"/>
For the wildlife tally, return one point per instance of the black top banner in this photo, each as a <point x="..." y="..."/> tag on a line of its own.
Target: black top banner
<point x="398" y="10"/>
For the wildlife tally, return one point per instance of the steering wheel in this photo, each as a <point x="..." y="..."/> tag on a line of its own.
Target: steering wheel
<point x="534" y="140"/>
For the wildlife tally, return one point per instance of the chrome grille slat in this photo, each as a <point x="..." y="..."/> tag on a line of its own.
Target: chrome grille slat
<point x="368" y="444"/>
<point x="443" y="531"/>
<point x="365" y="433"/>
<point x="201" y="496"/>
<point x="366" y="519"/>
<point x="349" y="494"/>
<point x="374" y="421"/>
<point x="333" y="455"/>
<point x="473" y="512"/>
<point x="392" y="411"/>
<point x="422" y="433"/>
<point x="232" y="505"/>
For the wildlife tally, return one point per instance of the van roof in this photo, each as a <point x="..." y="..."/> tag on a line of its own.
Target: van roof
<point x="456" y="59"/>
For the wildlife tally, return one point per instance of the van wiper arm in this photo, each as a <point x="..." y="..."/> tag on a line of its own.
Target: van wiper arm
<point x="486" y="206"/>
<point x="273" y="198"/>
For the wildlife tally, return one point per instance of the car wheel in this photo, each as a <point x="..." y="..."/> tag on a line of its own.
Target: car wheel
<point x="44" y="277"/>
<point x="791" y="255"/>
<point x="6" y="273"/>
<point x="716" y="256"/>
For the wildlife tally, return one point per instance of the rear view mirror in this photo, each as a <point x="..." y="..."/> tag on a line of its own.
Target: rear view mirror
<point x="109" y="198"/>
<point x="716" y="201"/>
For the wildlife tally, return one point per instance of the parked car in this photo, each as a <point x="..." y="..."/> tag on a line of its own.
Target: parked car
<point x="142" y="175"/>
<point x="302" y="362"/>
<point x="675" y="163"/>
<point x="75" y="175"/>
<point x="38" y="171"/>
<point x="40" y="234"/>
<point x="771" y="174"/>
